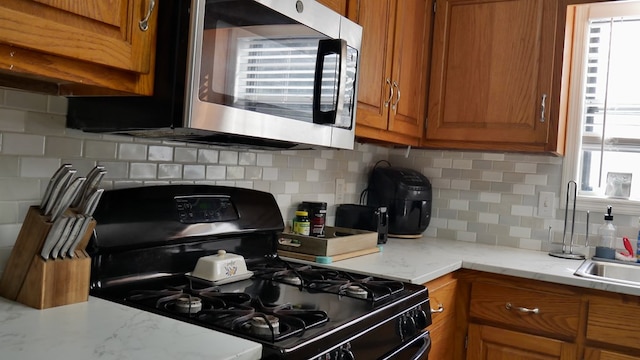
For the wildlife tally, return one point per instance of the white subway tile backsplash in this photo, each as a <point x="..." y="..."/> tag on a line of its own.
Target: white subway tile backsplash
<point x="477" y="197"/>
<point x="25" y="100"/>
<point x="490" y="197"/>
<point x="459" y="204"/>
<point x="442" y="163"/>
<point x="521" y="210"/>
<point x="462" y="164"/>
<point x="38" y="167"/>
<point x="8" y="212"/>
<point x="235" y="172"/>
<point x="291" y="187"/>
<point x="313" y="175"/>
<point x="488" y="218"/>
<point x="143" y="171"/>
<point x="194" y="172"/>
<point x="22" y="144"/>
<point x="216" y="172"/>
<point x="19" y="189"/>
<point x="185" y="155"/>
<point x="160" y="153"/>
<point x="492" y="176"/>
<point x="320" y="164"/>
<point x="128" y="151"/>
<point x="532" y="179"/>
<point x="228" y="157"/>
<point x="530" y="168"/>
<point x="208" y="156"/>
<point x="169" y="171"/>
<point x="264" y="159"/>
<point x="247" y="159"/>
<point x="270" y="174"/>
<point x="12" y="120"/>
<point x="519" y="232"/>
<point x="524" y="189"/>
<point x="62" y="147"/>
<point x="97" y="149"/>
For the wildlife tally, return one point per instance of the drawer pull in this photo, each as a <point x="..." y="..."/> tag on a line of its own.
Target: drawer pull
<point x="522" y="309"/>
<point x="440" y="309"/>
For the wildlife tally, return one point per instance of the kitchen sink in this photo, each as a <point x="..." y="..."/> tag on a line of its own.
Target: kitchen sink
<point x="616" y="272"/>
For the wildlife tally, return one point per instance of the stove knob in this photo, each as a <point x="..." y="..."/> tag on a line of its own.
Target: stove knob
<point x="407" y="326"/>
<point x="345" y="352"/>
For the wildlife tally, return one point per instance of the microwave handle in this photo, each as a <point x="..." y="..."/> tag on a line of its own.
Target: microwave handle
<point x="327" y="47"/>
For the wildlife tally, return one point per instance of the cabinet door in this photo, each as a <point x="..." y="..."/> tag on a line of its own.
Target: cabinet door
<point x="105" y="32"/>
<point x="490" y="343"/>
<point x="598" y="354"/>
<point x="377" y="19"/>
<point x="491" y="69"/>
<point x="410" y="67"/>
<point x="442" y="297"/>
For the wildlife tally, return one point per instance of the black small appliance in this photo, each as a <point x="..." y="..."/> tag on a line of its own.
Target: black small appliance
<point x="407" y="195"/>
<point x="364" y="217"/>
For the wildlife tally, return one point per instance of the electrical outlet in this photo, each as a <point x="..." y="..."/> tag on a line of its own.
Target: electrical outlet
<point x="546" y="204"/>
<point x="340" y="185"/>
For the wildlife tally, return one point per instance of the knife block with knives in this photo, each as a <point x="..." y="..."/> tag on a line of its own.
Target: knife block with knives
<point x="40" y="283"/>
<point x="48" y="266"/>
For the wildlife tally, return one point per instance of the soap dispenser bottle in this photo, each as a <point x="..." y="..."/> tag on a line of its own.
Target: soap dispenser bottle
<point x="607" y="237"/>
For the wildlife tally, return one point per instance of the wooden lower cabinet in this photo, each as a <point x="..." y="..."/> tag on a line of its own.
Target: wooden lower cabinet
<point x="442" y="297"/>
<point x="491" y="343"/>
<point x="599" y="354"/>
<point x="498" y="317"/>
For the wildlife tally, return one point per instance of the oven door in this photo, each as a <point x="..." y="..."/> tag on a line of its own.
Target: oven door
<point x="392" y="340"/>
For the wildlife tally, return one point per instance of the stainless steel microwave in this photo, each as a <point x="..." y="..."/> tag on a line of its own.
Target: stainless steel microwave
<point x="273" y="74"/>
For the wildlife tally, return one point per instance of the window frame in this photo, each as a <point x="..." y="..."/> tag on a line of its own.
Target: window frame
<point x="576" y="39"/>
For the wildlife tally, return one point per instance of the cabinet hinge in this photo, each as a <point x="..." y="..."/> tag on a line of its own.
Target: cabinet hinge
<point x="466" y="342"/>
<point x="434" y="6"/>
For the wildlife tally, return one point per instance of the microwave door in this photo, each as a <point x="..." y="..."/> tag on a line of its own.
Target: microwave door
<point x="253" y="74"/>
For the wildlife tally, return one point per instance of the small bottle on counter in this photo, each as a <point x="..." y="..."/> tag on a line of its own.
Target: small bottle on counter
<point x="607" y="233"/>
<point x="301" y="223"/>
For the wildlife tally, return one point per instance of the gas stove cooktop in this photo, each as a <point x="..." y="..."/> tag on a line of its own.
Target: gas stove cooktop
<point x="295" y="311"/>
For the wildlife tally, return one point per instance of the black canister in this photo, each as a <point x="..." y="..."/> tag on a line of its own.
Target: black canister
<point x="317" y="215"/>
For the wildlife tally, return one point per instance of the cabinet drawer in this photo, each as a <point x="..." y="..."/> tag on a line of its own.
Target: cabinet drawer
<point x="613" y="320"/>
<point x="528" y="310"/>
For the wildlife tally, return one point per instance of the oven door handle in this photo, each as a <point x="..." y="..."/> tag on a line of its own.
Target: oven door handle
<point x="424" y="348"/>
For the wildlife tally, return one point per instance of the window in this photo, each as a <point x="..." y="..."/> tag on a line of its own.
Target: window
<point x="603" y="138"/>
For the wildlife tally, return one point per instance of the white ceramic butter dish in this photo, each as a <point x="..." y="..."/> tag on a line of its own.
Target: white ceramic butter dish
<point x="221" y="268"/>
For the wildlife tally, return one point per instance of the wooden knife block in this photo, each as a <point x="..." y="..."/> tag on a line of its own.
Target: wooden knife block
<point x="39" y="283"/>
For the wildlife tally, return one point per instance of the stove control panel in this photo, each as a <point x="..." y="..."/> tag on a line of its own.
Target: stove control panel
<point x="204" y="209"/>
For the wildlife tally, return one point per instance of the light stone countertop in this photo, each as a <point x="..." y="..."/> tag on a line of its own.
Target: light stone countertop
<point x="100" y="329"/>
<point x="421" y="260"/>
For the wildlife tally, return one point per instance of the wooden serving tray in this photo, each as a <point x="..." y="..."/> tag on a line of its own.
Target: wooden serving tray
<point x="328" y="259"/>
<point x="337" y="241"/>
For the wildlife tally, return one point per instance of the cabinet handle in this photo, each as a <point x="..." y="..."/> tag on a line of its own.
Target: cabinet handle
<point x="543" y="107"/>
<point x="393" y="106"/>
<point x="388" y="101"/>
<point x="440" y="309"/>
<point x="522" y="309"/>
<point x="144" y="23"/>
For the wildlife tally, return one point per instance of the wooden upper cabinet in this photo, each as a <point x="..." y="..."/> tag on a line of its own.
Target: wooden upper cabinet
<point x="339" y="6"/>
<point x="393" y="71"/>
<point x="78" y="45"/>
<point x="492" y="75"/>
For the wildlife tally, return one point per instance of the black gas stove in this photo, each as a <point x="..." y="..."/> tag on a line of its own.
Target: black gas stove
<point x="149" y="239"/>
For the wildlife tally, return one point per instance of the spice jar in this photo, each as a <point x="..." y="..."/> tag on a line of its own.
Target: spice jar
<point x="301" y="223"/>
